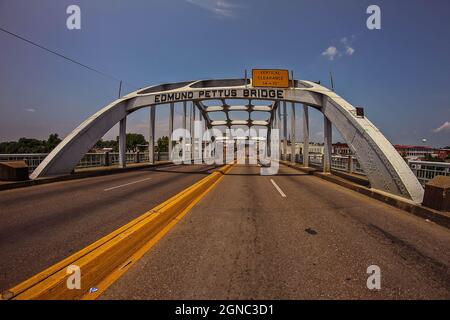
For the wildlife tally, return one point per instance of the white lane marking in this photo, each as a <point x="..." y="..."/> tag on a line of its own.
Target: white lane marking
<point x="126" y="184"/>
<point x="278" y="188"/>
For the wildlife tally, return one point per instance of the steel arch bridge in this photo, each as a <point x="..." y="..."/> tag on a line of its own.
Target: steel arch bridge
<point x="384" y="167"/>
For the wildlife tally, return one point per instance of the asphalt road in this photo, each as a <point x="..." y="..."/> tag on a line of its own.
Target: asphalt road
<point x="245" y="240"/>
<point x="41" y="225"/>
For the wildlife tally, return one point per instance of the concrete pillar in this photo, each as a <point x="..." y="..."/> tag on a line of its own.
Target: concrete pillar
<point x="284" y="131"/>
<point x="151" y="139"/>
<point x="327" y="145"/>
<point x="293" y="133"/>
<point x="107" y="159"/>
<point x="170" y="129"/>
<point x="305" y="136"/>
<point x="122" y="142"/>
<point x="350" y="163"/>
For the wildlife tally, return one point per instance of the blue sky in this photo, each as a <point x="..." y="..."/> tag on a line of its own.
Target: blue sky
<point x="399" y="74"/>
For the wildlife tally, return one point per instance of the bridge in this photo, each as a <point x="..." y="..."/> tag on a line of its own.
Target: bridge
<point x="253" y="225"/>
<point x="384" y="167"/>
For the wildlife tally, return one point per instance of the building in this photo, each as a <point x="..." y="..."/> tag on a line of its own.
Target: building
<point x="415" y="152"/>
<point x="318" y="148"/>
<point x="443" y="154"/>
<point x="314" y="148"/>
<point x="342" y="149"/>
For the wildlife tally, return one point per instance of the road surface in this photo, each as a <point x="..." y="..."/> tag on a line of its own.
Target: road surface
<point x="290" y="236"/>
<point x="41" y="225"/>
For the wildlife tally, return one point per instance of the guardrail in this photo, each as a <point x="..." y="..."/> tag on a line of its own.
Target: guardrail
<point x="424" y="170"/>
<point x="31" y="159"/>
<point x="347" y="164"/>
<point x="89" y="160"/>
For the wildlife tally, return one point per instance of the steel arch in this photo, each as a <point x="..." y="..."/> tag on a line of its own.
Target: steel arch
<point x="385" y="168"/>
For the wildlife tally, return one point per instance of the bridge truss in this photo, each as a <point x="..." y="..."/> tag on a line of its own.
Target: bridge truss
<point x="384" y="167"/>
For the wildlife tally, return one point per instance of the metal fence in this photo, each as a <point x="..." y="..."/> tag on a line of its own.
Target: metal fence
<point x="31" y="159"/>
<point x="347" y="164"/>
<point x="89" y="160"/>
<point x="423" y="170"/>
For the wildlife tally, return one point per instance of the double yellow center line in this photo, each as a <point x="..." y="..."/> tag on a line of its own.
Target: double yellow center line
<point x="104" y="261"/>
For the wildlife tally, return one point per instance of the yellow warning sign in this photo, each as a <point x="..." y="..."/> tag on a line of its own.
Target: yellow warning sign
<point x="270" y="78"/>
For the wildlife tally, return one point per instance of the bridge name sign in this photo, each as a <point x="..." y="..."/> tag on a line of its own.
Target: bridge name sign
<point x="219" y="94"/>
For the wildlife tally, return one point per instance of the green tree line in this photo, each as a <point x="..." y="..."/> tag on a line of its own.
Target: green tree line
<point x="135" y="142"/>
<point x="30" y="145"/>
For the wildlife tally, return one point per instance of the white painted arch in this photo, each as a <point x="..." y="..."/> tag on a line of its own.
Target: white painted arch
<point x="385" y="168"/>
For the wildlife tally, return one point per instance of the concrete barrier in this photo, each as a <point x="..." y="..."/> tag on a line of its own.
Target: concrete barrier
<point x="437" y="193"/>
<point x="108" y="258"/>
<point x="14" y="171"/>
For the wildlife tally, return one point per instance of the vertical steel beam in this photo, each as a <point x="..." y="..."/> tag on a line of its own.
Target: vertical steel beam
<point x="327" y="145"/>
<point x="151" y="139"/>
<point x="193" y="131"/>
<point x="170" y="129"/>
<point x="305" y="136"/>
<point x="184" y="114"/>
<point x="284" y="131"/>
<point x="293" y="133"/>
<point x="279" y="122"/>
<point x="122" y="142"/>
<point x="185" y="128"/>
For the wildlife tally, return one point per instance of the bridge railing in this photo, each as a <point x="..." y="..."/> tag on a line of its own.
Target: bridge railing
<point x="347" y="164"/>
<point x="89" y="160"/>
<point x="31" y="159"/>
<point x="424" y="170"/>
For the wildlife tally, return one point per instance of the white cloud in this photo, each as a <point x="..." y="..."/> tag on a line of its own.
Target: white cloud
<point x="30" y="110"/>
<point x="330" y="53"/>
<point x="219" y="7"/>
<point x="349" y="51"/>
<point x="444" y="127"/>
<point x="340" y="47"/>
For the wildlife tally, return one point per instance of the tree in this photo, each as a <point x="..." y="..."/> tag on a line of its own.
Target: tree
<point x="163" y="144"/>
<point x="52" y="141"/>
<point x="27" y="145"/>
<point x="101" y="144"/>
<point x="133" y="140"/>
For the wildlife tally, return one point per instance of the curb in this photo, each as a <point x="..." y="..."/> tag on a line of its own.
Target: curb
<point x="438" y="217"/>
<point x="76" y="176"/>
<point x="114" y="253"/>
